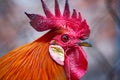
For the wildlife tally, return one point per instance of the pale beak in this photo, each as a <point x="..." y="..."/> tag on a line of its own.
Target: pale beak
<point x="84" y="43"/>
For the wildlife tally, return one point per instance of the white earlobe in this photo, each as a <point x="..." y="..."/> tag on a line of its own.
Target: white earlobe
<point x="57" y="54"/>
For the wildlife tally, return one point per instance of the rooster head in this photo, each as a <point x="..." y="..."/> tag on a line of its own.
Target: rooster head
<point x="65" y="48"/>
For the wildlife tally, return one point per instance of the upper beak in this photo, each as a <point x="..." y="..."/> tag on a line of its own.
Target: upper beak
<point x="84" y="43"/>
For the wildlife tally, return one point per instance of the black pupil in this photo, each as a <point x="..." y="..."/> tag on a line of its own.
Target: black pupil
<point x="65" y="38"/>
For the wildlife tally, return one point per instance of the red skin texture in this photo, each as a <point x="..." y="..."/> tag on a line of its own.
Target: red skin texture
<point x="75" y="63"/>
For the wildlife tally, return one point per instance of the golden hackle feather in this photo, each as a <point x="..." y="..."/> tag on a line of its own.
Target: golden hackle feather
<point x="32" y="62"/>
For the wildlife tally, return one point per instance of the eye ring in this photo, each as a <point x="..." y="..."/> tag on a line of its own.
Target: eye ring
<point x="65" y="38"/>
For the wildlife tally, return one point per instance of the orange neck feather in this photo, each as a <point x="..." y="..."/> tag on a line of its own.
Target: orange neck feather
<point x="32" y="62"/>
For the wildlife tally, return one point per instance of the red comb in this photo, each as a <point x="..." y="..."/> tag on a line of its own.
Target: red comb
<point x="66" y="13"/>
<point x="57" y="9"/>
<point x="41" y="23"/>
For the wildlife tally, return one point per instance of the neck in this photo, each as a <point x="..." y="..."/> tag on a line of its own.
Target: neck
<point x="31" y="62"/>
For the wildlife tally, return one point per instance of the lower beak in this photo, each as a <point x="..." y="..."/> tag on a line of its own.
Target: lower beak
<point x="86" y="44"/>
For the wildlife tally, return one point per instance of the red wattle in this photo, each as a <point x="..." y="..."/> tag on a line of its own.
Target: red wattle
<point x="75" y="63"/>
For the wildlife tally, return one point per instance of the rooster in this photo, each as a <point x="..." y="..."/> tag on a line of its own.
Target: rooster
<point x="57" y="55"/>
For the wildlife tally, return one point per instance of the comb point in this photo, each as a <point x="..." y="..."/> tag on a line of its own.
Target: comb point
<point x="30" y="16"/>
<point x="66" y="10"/>
<point x="46" y="10"/>
<point x="79" y="16"/>
<point x="57" y="9"/>
<point x="74" y="14"/>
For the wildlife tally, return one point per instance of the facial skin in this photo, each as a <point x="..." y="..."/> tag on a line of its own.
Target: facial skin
<point x="66" y="40"/>
<point x="62" y="43"/>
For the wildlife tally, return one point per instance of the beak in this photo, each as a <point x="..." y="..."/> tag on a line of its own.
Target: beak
<point x="85" y="43"/>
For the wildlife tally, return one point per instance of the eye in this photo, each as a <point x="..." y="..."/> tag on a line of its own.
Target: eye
<point x="65" y="38"/>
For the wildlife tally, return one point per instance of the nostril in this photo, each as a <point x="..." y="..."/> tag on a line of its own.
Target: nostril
<point x="83" y="38"/>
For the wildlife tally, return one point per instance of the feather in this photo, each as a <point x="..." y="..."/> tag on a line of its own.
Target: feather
<point x="28" y="62"/>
